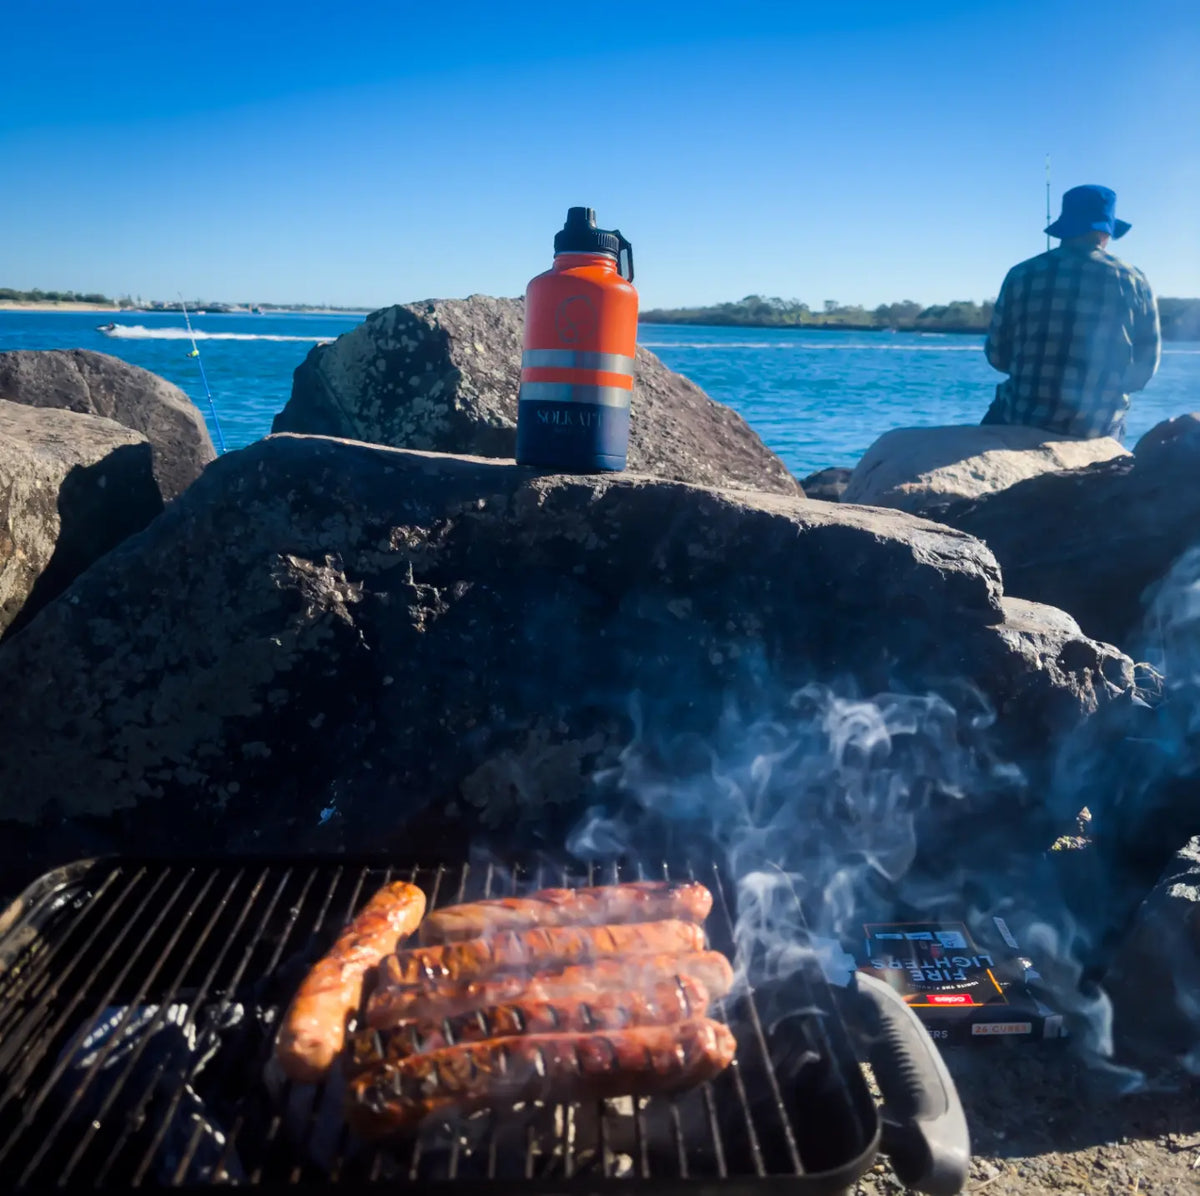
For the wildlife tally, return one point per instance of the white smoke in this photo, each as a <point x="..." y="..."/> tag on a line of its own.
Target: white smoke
<point x="830" y="809"/>
<point x="1170" y="636"/>
<point x="822" y="797"/>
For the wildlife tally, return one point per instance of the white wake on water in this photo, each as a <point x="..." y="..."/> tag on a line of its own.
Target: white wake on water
<point x="141" y="333"/>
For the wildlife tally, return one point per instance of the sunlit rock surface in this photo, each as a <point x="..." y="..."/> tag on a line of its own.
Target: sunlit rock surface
<point x="96" y="384"/>
<point x="71" y="487"/>
<point x="1093" y="540"/>
<point x="918" y="469"/>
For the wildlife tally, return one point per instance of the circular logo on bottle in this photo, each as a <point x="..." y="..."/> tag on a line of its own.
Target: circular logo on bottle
<point x="576" y="320"/>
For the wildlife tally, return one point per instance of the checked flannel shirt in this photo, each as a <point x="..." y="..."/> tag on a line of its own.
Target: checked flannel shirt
<point x="1076" y="330"/>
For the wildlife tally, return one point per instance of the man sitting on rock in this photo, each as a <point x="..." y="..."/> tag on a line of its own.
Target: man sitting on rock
<point x="1076" y="329"/>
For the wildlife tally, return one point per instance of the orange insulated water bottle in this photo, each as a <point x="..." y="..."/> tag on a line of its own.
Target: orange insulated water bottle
<point x="580" y="341"/>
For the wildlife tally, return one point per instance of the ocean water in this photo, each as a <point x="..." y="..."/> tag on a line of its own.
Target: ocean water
<point x="816" y="398"/>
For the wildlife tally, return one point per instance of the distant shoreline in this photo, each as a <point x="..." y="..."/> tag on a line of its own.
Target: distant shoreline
<point x="70" y="306"/>
<point x="1170" y="334"/>
<point x="54" y="305"/>
<point x="954" y="330"/>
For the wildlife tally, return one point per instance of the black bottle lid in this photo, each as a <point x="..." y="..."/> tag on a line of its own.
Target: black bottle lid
<point x="580" y="235"/>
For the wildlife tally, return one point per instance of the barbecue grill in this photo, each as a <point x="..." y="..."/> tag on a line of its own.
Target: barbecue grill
<point x="139" y="1001"/>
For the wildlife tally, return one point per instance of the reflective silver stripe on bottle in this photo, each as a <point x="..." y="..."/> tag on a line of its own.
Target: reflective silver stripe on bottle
<point x="568" y="392"/>
<point x="568" y="359"/>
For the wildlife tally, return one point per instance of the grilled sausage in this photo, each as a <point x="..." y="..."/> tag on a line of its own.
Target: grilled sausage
<point x="535" y="950"/>
<point x="669" y="1001"/>
<point x="393" y="1097"/>
<point x="314" y="1027"/>
<point x="604" y="905"/>
<point x="390" y="1005"/>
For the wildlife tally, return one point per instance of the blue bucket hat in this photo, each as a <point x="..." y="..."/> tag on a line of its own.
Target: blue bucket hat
<point x="1089" y="209"/>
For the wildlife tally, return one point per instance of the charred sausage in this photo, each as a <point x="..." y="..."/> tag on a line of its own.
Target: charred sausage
<point x="679" y="1000"/>
<point x="390" y="1005"/>
<point x="604" y="905"/>
<point x="535" y="950"/>
<point x="314" y="1027"/>
<point x="393" y="1097"/>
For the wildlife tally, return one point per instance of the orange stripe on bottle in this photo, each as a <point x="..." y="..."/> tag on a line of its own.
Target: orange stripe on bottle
<point x="579" y="377"/>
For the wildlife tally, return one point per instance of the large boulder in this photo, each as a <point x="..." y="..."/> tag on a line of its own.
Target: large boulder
<point x="322" y="639"/>
<point x="919" y="469"/>
<point x="1155" y="975"/>
<point x="97" y="384"/>
<point x="1092" y="540"/>
<point x="1180" y="433"/>
<point x="443" y="376"/>
<point x="71" y="488"/>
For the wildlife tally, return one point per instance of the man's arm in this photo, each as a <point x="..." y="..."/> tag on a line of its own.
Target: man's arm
<point x="998" y="346"/>
<point x="1147" y="340"/>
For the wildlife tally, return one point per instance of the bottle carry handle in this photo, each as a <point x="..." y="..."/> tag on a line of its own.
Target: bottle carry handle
<point x="624" y="255"/>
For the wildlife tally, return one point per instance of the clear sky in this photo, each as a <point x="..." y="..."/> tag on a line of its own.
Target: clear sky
<point x="376" y="152"/>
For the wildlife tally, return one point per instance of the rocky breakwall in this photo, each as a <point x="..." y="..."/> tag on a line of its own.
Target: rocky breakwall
<point x="97" y="384"/>
<point x="322" y="641"/>
<point x="923" y="469"/>
<point x="443" y="376"/>
<point x="71" y="488"/>
<point x="1093" y="539"/>
<point x="90" y="450"/>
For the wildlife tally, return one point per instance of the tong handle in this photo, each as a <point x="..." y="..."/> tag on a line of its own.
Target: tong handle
<point x="924" y="1126"/>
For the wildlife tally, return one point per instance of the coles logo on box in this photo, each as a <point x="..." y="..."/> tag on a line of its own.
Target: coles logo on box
<point x="950" y="999"/>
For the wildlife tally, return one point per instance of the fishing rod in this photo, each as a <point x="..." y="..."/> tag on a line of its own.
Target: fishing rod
<point x="203" y="376"/>
<point x="1047" y="201"/>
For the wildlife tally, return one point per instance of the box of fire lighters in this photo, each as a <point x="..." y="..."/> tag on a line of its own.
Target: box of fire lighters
<point x="964" y="988"/>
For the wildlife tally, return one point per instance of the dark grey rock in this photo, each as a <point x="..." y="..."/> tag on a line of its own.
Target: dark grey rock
<point x="1179" y="433"/>
<point x="321" y="640"/>
<point x="97" y="384"/>
<point x="1092" y="540"/>
<point x="1155" y="978"/>
<point x="71" y="488"/>
<point x="827" y="485"/>
<point x="442" y="376"/>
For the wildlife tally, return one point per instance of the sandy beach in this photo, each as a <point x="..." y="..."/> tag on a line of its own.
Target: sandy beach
<point x="50" y="305"/>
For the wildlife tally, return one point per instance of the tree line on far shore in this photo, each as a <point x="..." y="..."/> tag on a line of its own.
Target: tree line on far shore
<point x="7" y="294"/>
<point x="1180" y="317"/>
<point x="36" y="296"/>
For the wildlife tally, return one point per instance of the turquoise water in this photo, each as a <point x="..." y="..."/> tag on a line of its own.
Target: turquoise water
<point x="817" y="398"/>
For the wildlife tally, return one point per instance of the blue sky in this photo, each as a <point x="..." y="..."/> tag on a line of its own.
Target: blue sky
<point x="384" y="152"/>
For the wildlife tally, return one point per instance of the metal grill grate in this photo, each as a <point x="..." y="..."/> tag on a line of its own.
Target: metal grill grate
<point x="138" y="1005"/>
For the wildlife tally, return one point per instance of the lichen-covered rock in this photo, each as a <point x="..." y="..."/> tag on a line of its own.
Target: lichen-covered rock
<point x="1092" y="540"/>
<point x="919" y="469"/>
<point x="321" y="639"/>
<point x="443" y="375"/>
<point x="71" y="488"/>
<point x="1050" y="669"/>
<point x="97" y="384"/>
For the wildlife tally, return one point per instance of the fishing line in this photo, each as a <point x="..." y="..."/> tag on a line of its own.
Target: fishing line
<point x="203" y="376"/>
